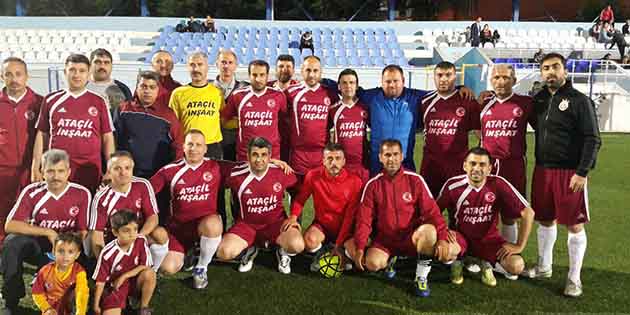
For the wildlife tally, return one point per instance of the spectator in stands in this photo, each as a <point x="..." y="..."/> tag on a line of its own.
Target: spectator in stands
<point x="208" y="25"/>
<point x="538" y="56"/>
<point x="486" y="36"/>
<point x="625" y="60"/>
<point x="625" y="29"/>
<point x="607" y="15"/>
<point x="443" y="38"/>
<point x="475" y="33"/>
<point x="536" y="87"/>
<point x="605" y="34"/>
<point x="306" y="41"/>
<point x="468" y="35"/>
<point x="162" y="63"/>
<point x="113" y="91"/>
<point x="594" y="31"/>
<point x="194" y="26"/>
<point x="495" y="36"/>
<point x="619" y="40"/>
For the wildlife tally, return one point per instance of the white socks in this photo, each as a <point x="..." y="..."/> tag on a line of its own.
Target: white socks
<point x="314" y="250"/>
<point x="546" y="239"/>
<point x="208" y="246"/>
<point x="510" y="232"/>
<point x="158" y="253"/>
<point x="423" y="267"/>
<point x="576" y="242"/>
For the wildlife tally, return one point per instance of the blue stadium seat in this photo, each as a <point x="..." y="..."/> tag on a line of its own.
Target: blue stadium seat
<point x="365" y="61"/>
<point x="342" y="61"/>
<point x="402" y="61"/>
<point x="378" y="61"/>
<point x="354" y="61"/>
<point x="294" y="44"/>
<point x="306" y="52"/>
<point x="362" y="52"/>
<point x="330" y="61"/>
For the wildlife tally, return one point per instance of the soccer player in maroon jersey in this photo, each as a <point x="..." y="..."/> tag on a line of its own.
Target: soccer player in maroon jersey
<point x="260" y="188"/>
<point x="474" y="202"/>
<point x="336" y="194"/>
<point x="162" y="63"/>
<point x="447" y="118"/>
<point x="73" y="116"/>
<point x="194" y="184"/>
<point x="19" y="107"/>
<point x="504" y="118"/>
<point x="349" y="124"/>
<point x="285" y="69"/>
<point x="309" y="105"/>
<point x="257" y="109"/>
<point x="124" y="268"/>
<point x="42" y="210"/>
<point x="130" y="193"/>
<point x="398" y="209"/>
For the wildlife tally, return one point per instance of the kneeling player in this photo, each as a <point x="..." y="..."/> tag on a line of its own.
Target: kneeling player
<point x="408" y="222"/>
<point x="260" y="189"/>
<point x="474" y="202"/>
<point x="336" y="195"/>
<point x="124" y="268"/>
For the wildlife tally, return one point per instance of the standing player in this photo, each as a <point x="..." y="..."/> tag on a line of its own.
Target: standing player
<point x="19" y="107"/>
<point x="72" y="116"/>
<point x="504" y="118"/>
<point x="193" y="183"/>
<point x="257" y="109"/>
<point x="162" y="63"/>
<point x="447" y="118"/>
<point x="349" y="119"/>
<point x="398" y="209"/>
<point x="309" y="105"/>
<point x="42" y="210"/>
<point x="285" y="69"/>
<point x="260" y="189"/>
<point x="132" y="194"/>
<point x="567" y="142"/>
<point x="101" y="81"/>
<point x="336" y="195"/>
<point x="474" y="202"/>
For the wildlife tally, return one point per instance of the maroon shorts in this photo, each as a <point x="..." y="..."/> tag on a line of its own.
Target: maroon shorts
<point x="257" y="234"/>
<point x="513" y="171"/>
<point x="304" y="161"/>
<point x="552" y="199"/>
<point x="400" y="246"/>
<point x="12" y="179"/>
<point x="486" y="248"/>
<point x="436" y="171"/>
<point x="182" y="236"/>
<point x="117" y="298"/>
<point x="86" y="174"/>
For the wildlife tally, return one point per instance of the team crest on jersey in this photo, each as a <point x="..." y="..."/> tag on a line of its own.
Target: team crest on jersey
<point x="74" y="211"/>
<point x="407" y="197"/>
<point x="460" y="112"/>
<point x="271" y="103"/>
<point x="490" y="197"/>
<point x="563" y="105"/>
<point x="138" y="202"/>
<point x="517" y="111"/>
<point x="277" y="187"/>
<point x="207" y="176"/>
<point x="118" y="268"/>
<point x="327" y="101"/>
<point x="29" y="115"/>
<point x="363" y="114"/>
<point x="93" y="111"/>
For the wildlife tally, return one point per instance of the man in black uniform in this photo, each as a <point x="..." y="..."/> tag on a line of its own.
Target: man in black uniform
<point x="567" y="142"/>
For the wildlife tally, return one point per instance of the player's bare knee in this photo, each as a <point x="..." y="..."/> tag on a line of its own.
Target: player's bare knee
<point x="159" y="235"/>
<point x="295" y="245"/>
<point x="147" y="276"/>
<point x="170" y="268"/>
<point x="425" y="235"/>
<point x="375" y="265"/>
<point x="514" y="264"/>
<point x="311" y="241"/>
<point x="577" y="228"/>
<point x="210" y="226"/>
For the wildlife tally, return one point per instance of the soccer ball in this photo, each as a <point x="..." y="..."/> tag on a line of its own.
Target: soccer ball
<point x="330" y="266"/>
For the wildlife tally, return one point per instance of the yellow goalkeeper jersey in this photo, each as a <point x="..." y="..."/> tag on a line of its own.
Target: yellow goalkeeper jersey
<point x="199" y="108"/>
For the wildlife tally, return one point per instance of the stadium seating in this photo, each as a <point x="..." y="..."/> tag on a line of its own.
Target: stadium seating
<point x="336" y="47"/>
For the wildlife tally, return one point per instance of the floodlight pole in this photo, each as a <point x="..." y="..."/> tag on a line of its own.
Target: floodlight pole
<point x="144" y="8"/>
<point x="391" y="8"/>
<point x="20" y="8"/>
<point x="269" y="10"/>
<point x="516" y="8"/>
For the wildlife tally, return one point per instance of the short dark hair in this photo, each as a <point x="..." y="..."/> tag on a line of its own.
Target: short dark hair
<point x="334" y="146"/>
<point x="69" y="237"/>
<point x="445" y="65"/>
<point x="77" y="58"/>
<point x="285" y="57"/>
<point x="122" y="218"/>
<point x="553" y="55"/>
<point x="15" y="59"/>
<point x="348" y="71"/>
<point x="312" y="57"/>
<point x="100" y="52"/>
<point x="393" y="67"/>
<point x="258" y="142"/>
<point x="117" y="154"/>
<point x="148" y="75"/>
<point x="390" y="142"/>
<point x="257" y="62"/>
<point x="478" y="151"/>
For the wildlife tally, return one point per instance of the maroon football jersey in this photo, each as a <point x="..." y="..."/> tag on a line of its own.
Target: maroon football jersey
<point x="474" y="212"/>
<point x="114" y="261"/>
<point x="67" y="212"/>
<point x="504" y="126"/>
<point x="140" y="199"/>
<point x="260" y="197"/>
<point x="447" y="121"/>
<point x="194" y="189"/>
<point x="350" y="124"/>
<point x="258" y="116"/>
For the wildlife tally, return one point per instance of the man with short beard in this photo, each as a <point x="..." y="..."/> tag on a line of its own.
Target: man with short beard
<point x="285" y="65"/>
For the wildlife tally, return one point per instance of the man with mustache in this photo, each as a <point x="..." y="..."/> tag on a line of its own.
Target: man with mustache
<point x="285" y="69"/>
<point x="76" y="120"/>
<point x="19" y="108"/>
<point x="101" y="81"/>
<point x="567" y="142"/>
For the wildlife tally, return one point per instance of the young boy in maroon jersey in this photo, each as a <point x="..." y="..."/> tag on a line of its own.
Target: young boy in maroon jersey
<point x="124" y="268"/>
